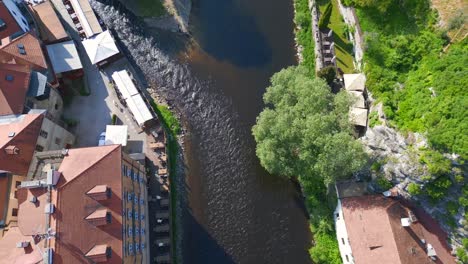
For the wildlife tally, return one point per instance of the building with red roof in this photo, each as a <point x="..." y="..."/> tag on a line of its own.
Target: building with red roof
<point x="24" y="50"/>
<point x="91" y="204"/>
<point x="376" y="229"/>
<point x="8" y="24"/>
<point x="14" y="85"/>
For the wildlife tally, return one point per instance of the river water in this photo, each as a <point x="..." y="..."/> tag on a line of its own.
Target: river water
<point x="232" y="210"/>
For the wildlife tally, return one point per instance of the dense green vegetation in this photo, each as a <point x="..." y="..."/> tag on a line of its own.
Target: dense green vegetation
<point x="304" y="133"/>
<point x="172" y="128"/>
<point x="343" y="47"/>
<point x="462" y="252"/>
<point x="303" y="33"/>
<point x="422" y="89"/>
<point x="150" y="8"/>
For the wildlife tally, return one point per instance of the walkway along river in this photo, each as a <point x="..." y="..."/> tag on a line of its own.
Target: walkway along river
<point x="233" y="212"/>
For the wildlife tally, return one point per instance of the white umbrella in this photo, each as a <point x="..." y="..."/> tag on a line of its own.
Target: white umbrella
<point x="100" y="47"/>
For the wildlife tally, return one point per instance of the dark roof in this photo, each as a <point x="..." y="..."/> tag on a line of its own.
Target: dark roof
<point x="11" y="26"/>
<point x="38" y="85"/>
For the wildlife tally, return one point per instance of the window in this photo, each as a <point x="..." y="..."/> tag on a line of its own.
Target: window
<point x="43" y="134"/>
<point x="142" y="201"/>
<point x="136" y="215"/>
<point x="58" y="141"/>
<point x="135" y="199"/>
<point x="342" y="240"/>
<point x="142" y="231"/>
<point x="130" y="231"/>
<point x="130" y="249"/>
<point x="129" y="214"/>
<point x="39" y="148"/>
<point x="24" y="21"/>
<point x="108" y="218"/>
<point x="56" y="106"/>
<point x="137" y="231"/>
<point x="142" y="246"/>
<point x="124" y="169"/>
<point x="129" y="197"/>
<point x="142" y="216"/>
<point x="14" y="212"/>
<point x="9" y="77"/>
<point x="347" y="259"/>
<point x="17" y="183"/>
<point x="137" y="247"/>
<point x="128" y="172"/>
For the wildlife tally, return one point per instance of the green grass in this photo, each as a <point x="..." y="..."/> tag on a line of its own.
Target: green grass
<point x="303" y="21"/>
<point x="172" y="128"/>
<point x="343" y="47"/>
<point x="150" y="8"/>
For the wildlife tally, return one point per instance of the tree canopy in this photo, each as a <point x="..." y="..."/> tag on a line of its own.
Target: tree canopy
<point x="305" y="131"/>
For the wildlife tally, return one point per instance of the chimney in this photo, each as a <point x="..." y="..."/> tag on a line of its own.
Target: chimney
<point x="405" y="222"/>
<point x="12" y="150"/>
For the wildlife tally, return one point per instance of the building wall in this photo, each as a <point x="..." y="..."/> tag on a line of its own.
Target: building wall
<point x="8" y="189"/>
<point x="342" y="236"/>
<point x="53" y="136"/>
<point x="16" y="13"/>
<point x="135" y="221"/>
<point x="53" y="105"/>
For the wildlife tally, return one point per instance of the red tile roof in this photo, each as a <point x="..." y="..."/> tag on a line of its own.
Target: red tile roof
<point x="34" y="56"/>
<point x="82" y="169"/>
<point x="11" y="24"/>
<point x="50" y="27"/>
<point x="376" y="234"/>
<point x="9" y="253"/>
<point x="79" y="240"/>
<point x="13" y="93"/>
<point x="26" y="129"/>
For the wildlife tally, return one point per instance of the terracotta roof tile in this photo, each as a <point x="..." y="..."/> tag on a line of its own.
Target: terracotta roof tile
<point x="31" y="216"/>
<point x="377" y="236"/>
<point x="34" y="56"/>
<point x="50" y="27"/>
<point x="13" y="92"/>
<point x="82" y="170"/>
<point x="11" y="24"/>
<point x="9" y="253"/>
<point x="26" y="129"/>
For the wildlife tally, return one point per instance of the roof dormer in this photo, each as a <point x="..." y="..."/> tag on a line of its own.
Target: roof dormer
<point x="99" y="217"/>
<point x="99" y="192"/>
<point x="99" y="253"/>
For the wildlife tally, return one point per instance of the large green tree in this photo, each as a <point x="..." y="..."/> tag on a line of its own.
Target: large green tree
<point x="304" y="131"/>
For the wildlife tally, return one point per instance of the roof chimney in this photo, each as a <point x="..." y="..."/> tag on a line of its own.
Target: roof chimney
<point x="12" y="150"/>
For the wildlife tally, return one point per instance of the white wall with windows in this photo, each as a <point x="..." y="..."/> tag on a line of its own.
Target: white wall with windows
<point x="342" y="236"/>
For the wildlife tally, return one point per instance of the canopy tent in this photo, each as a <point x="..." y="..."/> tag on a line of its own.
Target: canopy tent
<point x="355" y="81"/>
<point x="100" y="47"/>
<point x="87" y="17"/>
<point x="358" y="116"/>
<point x="133" y="99"/>
<point x="64" y="57"/>
<point x="359" y="99"/>
<point x="116" y="135"/>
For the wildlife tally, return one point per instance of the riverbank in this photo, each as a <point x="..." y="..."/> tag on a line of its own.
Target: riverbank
<point x="303" y="34"/>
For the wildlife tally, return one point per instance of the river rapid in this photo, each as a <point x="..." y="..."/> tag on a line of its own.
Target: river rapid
<point x="231" y="210"/>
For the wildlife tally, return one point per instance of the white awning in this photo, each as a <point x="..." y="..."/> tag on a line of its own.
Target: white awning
<point x="100" y="47"/>
<point x="116" y="135"/>
<point x="355" y="81"/>
<point x="140" y="111"/>
<point x="87" y="17"/>
<point x="133" y="99"/>
<point x="124" y="83"/>
<point x="64" y="57"/>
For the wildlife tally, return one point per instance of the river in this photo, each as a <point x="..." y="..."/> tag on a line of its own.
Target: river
<point x="234" y="212"/>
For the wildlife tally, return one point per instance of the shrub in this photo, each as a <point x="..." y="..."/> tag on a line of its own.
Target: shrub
<point x="325" y="250"/>
<point x="438" y="188"/>
<point x="114" y="119"/>
<point x="383" y="183"/>
<point x="437" y="164"/>
<point x="325" y="17"/>
<point x="328" y="74"/>
<point x="452" y="207"/>
<point x="374" y="119"/>
<point x="414" y="189"/>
